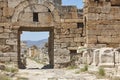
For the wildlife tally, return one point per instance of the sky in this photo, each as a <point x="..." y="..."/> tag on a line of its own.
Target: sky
<point x="77" y="3"/>
<point x="35" y="36"/>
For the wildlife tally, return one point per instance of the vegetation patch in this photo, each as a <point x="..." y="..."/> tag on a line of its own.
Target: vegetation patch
<point x="85" y="68"/>
<point x="101" y="74"/>
<point x="101" y="71"/>
<point x="4" y="77"/>
<point x="11" y="69"/>
<point x="71" y="67"/>
<point x="77" y="72"/>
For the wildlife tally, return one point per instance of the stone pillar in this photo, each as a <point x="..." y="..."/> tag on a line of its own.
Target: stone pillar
<point x="51" y="47"/>
<point x="96" y="57"/>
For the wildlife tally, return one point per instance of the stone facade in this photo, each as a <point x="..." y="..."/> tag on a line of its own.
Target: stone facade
<point x="69" y="27"/>
<point x="63" y="22"/>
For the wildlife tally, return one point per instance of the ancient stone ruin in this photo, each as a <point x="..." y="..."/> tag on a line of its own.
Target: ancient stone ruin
<point x="96" y="26"/>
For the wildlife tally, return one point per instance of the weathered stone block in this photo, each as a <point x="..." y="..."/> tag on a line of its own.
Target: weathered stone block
<point x="115" y="27"/>
<point x="7" y="12"/>
<point x="37" y="8"/>
<point x="106" y="7"/>
<point x="64" y="45"/>
<point x="73" y="20"/>
<point x="92" y="39"/>
<point x="26" y="17"/>
<point x="57" y="31"/>
<point x="74" y="15"/>
<point x="105" y="27"/>
<point x="4" y="59"/>
<point x="10" y="54"/>
<point x="5" y="48"/>
<point x="4" y="35"/>
<point x="14" y="59"/>
<point x="115" y="2"/>
<point x="79" y="44"/>
<point x="79" y="39"/>
<point x="62" y="55"/>
<point x="66" y="39"/>
<point x="4" y="19"/>
<point x="73" y="44"/>
<point x="93" y="16"/>
<point x="115" y="39"/>
<point x="45" y="18"/>
<point x="51" y="7"/>
<point x="57" y="46"/>
<point x="94" y="32"/>
<point x="72" y="31"/>
<point x="101" y="45"/>
<point x="12" y="35"/>
<point x="14" y="3"/>
<point x="3" y="4"/>
<point x="65" y="31"/>
<point x="66" y="15"/>
<point x="69" y="25"/>
<point x="104" y="39"/>
<point x="91" y="45"/>
<point x="11" y="41"/>
<point x="1" y="29"/>
<point x="108" y="32"/>
<point x="7" y="30"/>
<point x="56" y="36"/>
<point x="106" y="55"/>
<point x="2" y="41"/>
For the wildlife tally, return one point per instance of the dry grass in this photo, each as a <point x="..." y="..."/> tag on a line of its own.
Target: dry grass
<point x="11" y="69"/>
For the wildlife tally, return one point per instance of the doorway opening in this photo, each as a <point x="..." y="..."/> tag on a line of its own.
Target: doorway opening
<point x="35" y="48"/>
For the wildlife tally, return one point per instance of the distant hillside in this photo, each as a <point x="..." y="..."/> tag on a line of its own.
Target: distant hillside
<point x="39" y="43"/>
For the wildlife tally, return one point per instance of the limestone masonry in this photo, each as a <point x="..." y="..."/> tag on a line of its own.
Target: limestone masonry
<point x="96" y="26"/>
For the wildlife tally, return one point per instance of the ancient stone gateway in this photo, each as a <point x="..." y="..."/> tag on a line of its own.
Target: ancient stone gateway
<point x="62" y="22"/>
<point x="36" y="17"/>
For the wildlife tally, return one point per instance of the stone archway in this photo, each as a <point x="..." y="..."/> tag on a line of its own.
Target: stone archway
<point x="24" y="4"/>
<point x="23" y="19"/>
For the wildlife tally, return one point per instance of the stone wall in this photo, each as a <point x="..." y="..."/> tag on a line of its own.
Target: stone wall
<point x="69" y="33"/>
<point x="63" y="22"/>
<point x="8" y="36"/>
<point x="102" y="22"/>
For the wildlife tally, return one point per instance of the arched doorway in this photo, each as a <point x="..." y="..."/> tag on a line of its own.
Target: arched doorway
<point x="31" y="16"/>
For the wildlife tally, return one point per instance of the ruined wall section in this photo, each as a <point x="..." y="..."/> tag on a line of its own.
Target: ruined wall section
<point x="15" y="13"/>
<point x="65" y="20"/>
<point x="102" y="22"/>
<point x="8" y="36"/>
<point x="68" y="33"/>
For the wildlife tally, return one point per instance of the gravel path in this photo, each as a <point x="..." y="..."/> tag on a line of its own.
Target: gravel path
<point x="32" y="73"/>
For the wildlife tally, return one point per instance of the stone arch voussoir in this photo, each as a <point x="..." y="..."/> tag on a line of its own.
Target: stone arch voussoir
<point x="22" y="5"/>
